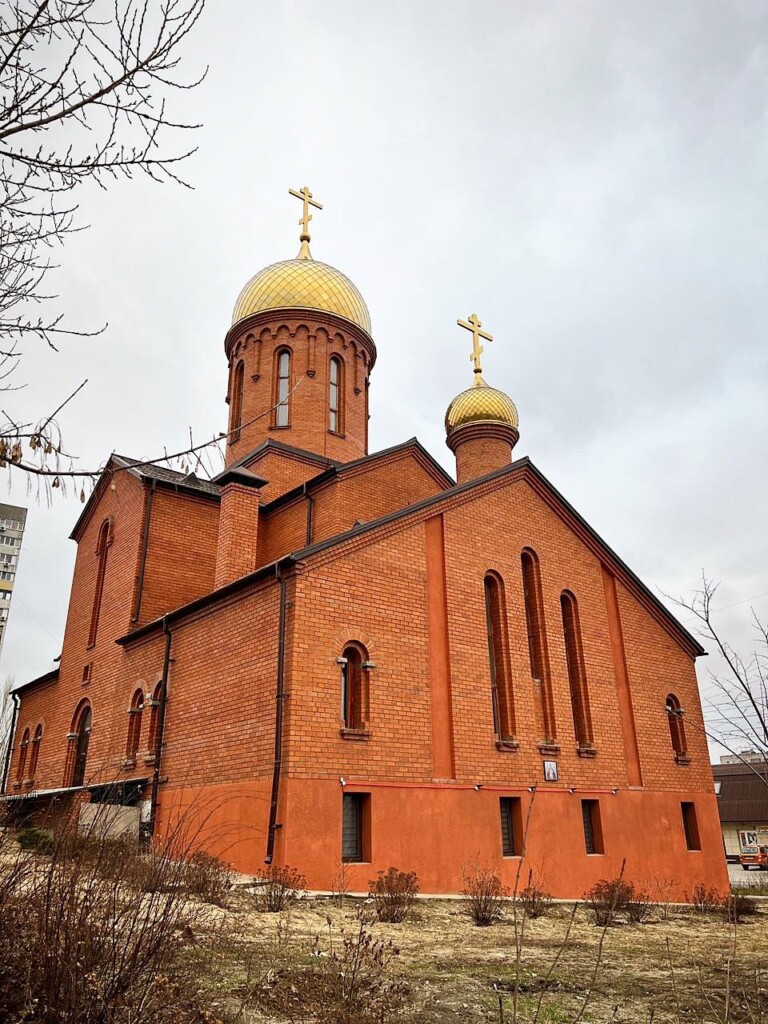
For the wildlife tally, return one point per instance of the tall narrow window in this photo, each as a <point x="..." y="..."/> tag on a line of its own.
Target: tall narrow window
<point x="236" y="409"/>
<point x="335" y="395"/>
<point x="593" y="831"/>
<point x="134" y="725"/>
<point x="498" y="655"/>
<point x="35" y="755"/>
<point x="690" y="826"/>
<point x="511" y="826"/>
<point x="23" y="751"/>
<point x="282" y="412"/>
<point x="355" y="827"/>
<point x="102" y="547"/>
<point x="81" y="739"/>
<point x="676" y="727"/>
<point x="354" y="691"/>
<point x="577" y="676"/>
<point x="537" y="641"/>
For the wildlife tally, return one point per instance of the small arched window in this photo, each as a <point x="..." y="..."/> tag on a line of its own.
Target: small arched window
<point x="154" y="718"/>
<point x="336" y="395"/>
<point x="102" y="547"/>
<point x="80" y="739"/>
<point x="676" y="727"/>
<point x="537" y="640"/>
<point x="23" y="751"/>
<point x="34" y="756"/>
<point x="577" y="674"/>
<point x="498" y="654"/>
<point x="236" y="409"/>
<point x="354" y="687"/>
<point x="134" y="725"/>
<point x="283" y="387"/>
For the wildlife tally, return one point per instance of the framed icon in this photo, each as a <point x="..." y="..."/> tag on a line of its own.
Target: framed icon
<point x="550" y="771"/>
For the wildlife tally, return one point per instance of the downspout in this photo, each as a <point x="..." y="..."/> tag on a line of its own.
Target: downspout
<point x="143" y="555"/>
<point x="14" y="718"/>
<point x="279" y="702"/>
<point x="160" y="731"/>
<point x="310" y="514"/>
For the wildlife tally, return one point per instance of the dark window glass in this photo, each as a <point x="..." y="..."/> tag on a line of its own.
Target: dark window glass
<point x="81" y="747"/>
<point x="593" y="833"/>
<point x="498" y="653"/>
<point x="134" y="724"/>
<point x="676" y="727"/>
<point x="577" y="676"/>
<point x="353" y="695"/>
<point x="511" y="826"/>
<point x="690" y="826"/>
<point x="236" y="419"/>
<point x="35" y="755"/>
<point x="352" y="826"/>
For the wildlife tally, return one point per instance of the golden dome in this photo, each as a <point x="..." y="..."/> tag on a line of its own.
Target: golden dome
<point x="481" y="404"/>
<point x="303" y="284"/>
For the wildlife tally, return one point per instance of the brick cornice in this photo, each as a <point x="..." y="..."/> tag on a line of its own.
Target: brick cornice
<point x="293" y="318"/>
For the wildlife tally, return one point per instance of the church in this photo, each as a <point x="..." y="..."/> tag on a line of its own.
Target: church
<point x="343" y="660"/>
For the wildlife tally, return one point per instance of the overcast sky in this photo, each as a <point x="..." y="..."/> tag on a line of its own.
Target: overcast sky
<point x="590" y="177"/>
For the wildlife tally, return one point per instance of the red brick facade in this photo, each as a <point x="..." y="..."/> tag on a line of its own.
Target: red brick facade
<point x="249" y="596"/>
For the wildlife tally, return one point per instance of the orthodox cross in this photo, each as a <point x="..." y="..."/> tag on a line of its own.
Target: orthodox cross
<point x="305" y="195"/>
<point x="474" y="325"/>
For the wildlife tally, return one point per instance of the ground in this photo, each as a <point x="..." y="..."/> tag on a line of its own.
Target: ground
<point x="666" y="970"/>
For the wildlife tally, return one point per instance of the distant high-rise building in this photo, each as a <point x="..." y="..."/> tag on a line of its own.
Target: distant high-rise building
<point x="13" y="519"/>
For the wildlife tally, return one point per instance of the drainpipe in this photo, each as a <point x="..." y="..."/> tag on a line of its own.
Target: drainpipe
<point x="310" y="513"/>
<point x="143" y="556"/>
<point x="160" y="731"/>
<point x="279" y="702"/>
<point x="14" y="718"/>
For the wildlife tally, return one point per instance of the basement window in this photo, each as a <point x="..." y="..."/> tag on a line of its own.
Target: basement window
<point x="593" y="829"/>
<point x="356" y="827"/>
<point x="511" y="826"/>
<point x="690" y="826"/>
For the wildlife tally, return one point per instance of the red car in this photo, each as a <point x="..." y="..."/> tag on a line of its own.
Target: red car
<point x="754" y="857"/>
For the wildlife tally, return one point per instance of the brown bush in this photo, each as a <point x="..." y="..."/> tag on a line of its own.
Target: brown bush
<point x="207" y="877"/>
<point x="483" y="894"/>
<point x="737" y="906"/>
<point x="394" y="894"/>
<point x="278" y="888"/>
<point x="639" y="906"/>
<point x="704" y="899"/>
<point x="608" y="899"/>
<point x="535" y="901"/>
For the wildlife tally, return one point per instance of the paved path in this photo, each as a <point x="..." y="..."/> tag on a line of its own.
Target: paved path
<point x="741" y="877"/>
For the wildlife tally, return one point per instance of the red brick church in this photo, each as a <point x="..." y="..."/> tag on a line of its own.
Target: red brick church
<point x="352" y="658"/>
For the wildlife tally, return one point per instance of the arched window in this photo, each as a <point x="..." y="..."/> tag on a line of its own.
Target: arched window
<point x="537" y="640"/>
<point x="354" y="688"/>
<point x="676" y="727"/>
<point x="283" y="387"/>
<point x="236" y="409"/>
<point x="102" y="547"/>
<point x="154" y="718"/>
<point x="577" y="675"/>
<point x="35" y="755"/>
<point x="134" y="725"/>
<point x="23" y="750"/>
<point x="79" y="739"/>
<point x="336" y="395"/>
<point x="498" y="654"/>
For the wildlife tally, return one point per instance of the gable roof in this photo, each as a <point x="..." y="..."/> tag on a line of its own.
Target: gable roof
<point x="743" y="792"/>
<point x="279" y="446"/>
<point x="523" y="469"/>
<point x="43" y="680"/>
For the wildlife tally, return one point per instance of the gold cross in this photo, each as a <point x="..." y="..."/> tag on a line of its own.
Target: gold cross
<point x="474" y="325"/>
<point x="306" y="196"/>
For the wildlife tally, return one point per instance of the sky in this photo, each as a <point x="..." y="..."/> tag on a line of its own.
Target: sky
<point x="589" y="177"/>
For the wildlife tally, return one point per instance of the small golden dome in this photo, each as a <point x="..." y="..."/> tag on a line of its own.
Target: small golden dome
<point x="303" y="284"/>
<point x="481" y="404"/>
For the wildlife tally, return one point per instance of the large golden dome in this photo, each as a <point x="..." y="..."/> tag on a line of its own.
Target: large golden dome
<point x="303" y="284"/>
<point x="481" y="404"/>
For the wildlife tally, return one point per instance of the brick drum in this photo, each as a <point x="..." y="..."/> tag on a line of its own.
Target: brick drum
<point x="224" y="607"/>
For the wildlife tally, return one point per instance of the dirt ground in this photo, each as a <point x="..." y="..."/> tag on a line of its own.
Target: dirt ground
<point x="684" y="968"/>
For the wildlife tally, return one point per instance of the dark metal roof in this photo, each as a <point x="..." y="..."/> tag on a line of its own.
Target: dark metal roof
<point x="181" y="481"/>
<point x="43" y="680"/>
<point x="743" y="791"/>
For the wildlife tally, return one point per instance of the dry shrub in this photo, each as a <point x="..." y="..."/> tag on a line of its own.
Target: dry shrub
<point x="535" y="901"/>
<point x="348" y="979"/>
<point x="78" y="944"/>
<point x="608" y="899"/>
<point x="483" y="894"/>
<point x="737" y="906"/>
<point x="279" y="888"/>
<point x="639" y="906"/>
<point x="207" y="877"/>
<point x="35" y="840"/>
<point x="393" y="893"/>
<point x="704" y="899"/>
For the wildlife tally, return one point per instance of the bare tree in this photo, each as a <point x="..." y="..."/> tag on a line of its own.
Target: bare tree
<point x="83" y="93"/>
<point x="740" y="710"/>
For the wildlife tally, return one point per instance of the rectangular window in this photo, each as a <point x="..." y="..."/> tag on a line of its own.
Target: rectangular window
<point x="690" y="826"/>
<point x="355" y="827"/>
<point x="511" y="826"/>
<point x="593" y="829"/>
